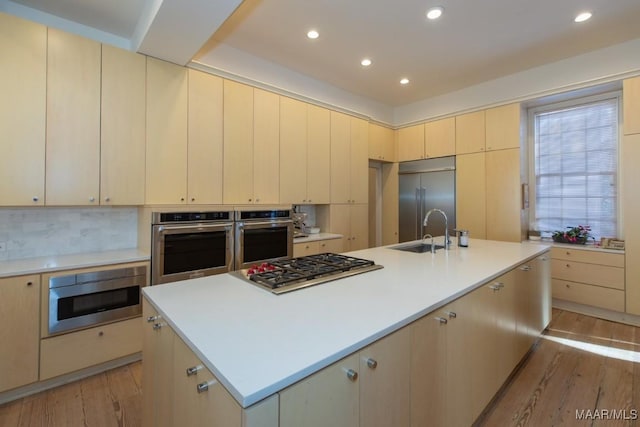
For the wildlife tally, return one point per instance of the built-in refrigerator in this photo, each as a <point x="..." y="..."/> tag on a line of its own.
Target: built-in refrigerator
<point x="424" y="185"/>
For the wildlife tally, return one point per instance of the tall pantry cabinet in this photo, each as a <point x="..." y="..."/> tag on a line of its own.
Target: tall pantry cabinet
<point x="22" y="110"/>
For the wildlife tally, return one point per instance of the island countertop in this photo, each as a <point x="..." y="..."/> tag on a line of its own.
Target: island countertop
<point x="258" y="343"/>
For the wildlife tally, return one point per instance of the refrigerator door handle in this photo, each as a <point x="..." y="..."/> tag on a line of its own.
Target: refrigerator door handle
<point x="418" y="210"/>
<point x="423" y="210"/>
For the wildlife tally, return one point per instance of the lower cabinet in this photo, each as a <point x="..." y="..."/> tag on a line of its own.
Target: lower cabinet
<point x="317" y="247"/>
<point x="20" y="328"/>
<point x="352" y="221"/>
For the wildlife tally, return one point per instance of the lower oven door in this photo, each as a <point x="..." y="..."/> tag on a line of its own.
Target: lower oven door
<point x="263" y="241"/>
<point x="74" y="305"/>
<point x="181" y="252"/>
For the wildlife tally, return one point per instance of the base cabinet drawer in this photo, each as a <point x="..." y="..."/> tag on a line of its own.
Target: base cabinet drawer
<point x="597" y="296"/>
<point x="305" y="249"/>
<point x="77" y="350"/>
<point x="588" y="256"/>
<point x="593" y="274"/>
<point x="333" y="245"/>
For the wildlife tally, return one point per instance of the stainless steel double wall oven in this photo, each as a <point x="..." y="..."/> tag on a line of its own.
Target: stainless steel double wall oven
<point x="186" y="245"/>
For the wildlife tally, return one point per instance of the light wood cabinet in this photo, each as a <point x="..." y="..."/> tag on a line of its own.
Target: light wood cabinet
<point x="502" y="127"/>
<point x="471" y="194"/>
<point x="381" y="143"/>
<point x="19" y="331"/>
<point x="390" y="207"/>
<point x="167" y="124"/>
<point x="122" y="127"/>
<point x="293" y="151"/>
<point x="631" y="106"/>
<point x="631" y="209"/>
<point x="349" y="159"/>
<point x="411" y="143"/>
<point x="317" y="247"/>
<point x="440" y="138"/>
<point x="352" y="221"/>
<point x="589" y="277"/>
<point x="266" y="147"/>
<point x="470" y="132"/>
<point x="204" y="151"/>
<point x="73" y="120"/>
<point x="22" y="111"/>
<point x="318" y="155"/>
<point x="503" y="190"/>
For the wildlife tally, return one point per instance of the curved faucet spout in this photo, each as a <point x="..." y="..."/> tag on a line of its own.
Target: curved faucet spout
<point x="446" y="225"/>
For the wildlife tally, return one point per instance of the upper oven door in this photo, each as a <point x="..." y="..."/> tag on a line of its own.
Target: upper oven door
<point x="181" y="251"/>
<point x="262" y="241"/>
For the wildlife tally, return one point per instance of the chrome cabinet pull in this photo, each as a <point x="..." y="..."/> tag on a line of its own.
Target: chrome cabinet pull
<point x="372" y="363"/>
<point x="204" y="386"/>
<point x="352" y="375"/>
<point x="525" y="268"/>
<point x="194" y="370"/>
<point x="452" y="314"/>
<point x="441" y="320"/>
<point x="152" y="318"/>
<point x="158" y="326"/>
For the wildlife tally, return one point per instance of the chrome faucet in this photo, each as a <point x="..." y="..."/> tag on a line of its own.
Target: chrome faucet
<point x="447" y="242"/>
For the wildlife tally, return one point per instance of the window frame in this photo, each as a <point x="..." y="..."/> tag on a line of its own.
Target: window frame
<point x="564" y="104"/>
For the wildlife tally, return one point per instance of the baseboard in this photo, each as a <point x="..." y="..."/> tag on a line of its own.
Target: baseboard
<point x="37" y="387"/>
<point x="601" y="313"/>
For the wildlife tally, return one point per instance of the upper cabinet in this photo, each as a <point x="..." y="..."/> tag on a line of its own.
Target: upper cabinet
<point x="73" y="120"/>
<point x="166" y="150"/>
<point x="293" y="151"/>
<point x="22" y="111"/>
<point x="631" y="106"/>
<point x="502" y="127"/>
<point x="204" y="152"/>
<point x="470" y="133"/>
<point x="428" y="140"/>
<point x="266" y="147"/>
<point x="381" y="143"/>
<point x="122" y="128"/>
<point x="349" y="159"/>
<point x="318" y="155"/>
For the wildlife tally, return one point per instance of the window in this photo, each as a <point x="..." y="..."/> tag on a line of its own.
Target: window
<point x="575" y="163"/>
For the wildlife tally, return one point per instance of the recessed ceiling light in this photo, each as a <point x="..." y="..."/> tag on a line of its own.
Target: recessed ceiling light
<point x="435" y="12"/>
<point x="365" y="62"/>
<point x="313" y="34"/>
<point x="404" y="81"/>
<point x="582" y="17"/>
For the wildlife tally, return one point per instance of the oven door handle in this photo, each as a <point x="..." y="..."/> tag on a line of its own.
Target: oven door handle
<point x="271" y="223"/>
<point x="195" y="227"/>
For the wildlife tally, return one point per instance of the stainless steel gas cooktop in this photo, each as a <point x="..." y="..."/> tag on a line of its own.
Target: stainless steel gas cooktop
<point x="297" y="273"/>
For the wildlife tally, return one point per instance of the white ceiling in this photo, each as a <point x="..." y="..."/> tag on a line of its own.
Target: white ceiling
<point x="473" y="42"/>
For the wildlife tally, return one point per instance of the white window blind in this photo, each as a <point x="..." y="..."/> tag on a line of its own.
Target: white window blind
<point x="576" y="167"/>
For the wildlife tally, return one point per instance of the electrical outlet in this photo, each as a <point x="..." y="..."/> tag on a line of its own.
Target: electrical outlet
<point x="3" y="246"/>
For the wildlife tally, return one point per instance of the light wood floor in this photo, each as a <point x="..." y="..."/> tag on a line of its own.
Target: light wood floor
<point x="554" y="381"/>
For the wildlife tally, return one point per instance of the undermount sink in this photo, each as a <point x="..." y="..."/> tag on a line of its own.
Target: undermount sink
<point x="417" y="247"/>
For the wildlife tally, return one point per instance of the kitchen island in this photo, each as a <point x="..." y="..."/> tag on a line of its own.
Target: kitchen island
<point x="256" y="344"/>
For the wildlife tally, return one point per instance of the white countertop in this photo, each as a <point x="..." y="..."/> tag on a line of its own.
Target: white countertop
<point x="316" y="237"/>
<point x="69" y="262"/>
<point x="258" y="343"/>
<point x="586" y="247"/>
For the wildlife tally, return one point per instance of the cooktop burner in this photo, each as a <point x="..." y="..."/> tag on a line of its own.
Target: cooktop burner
<point x="296" y="273"/>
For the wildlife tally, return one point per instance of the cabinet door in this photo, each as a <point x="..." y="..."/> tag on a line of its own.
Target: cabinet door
<point x="503" y="195"/>
<point x="428" y="371"/>
<point x="471" y="194"/>
<point x="333" y="245"/>
<point x="73" y="120"/>
<point x="305" y="249"/>
<point x="204" y="153"/>
<point x="411" y="143"/>
<point x="157" y="369"/>
<point x="22" y="110"/>
<point x="505" y="312"/>
<point x="503" y="127"/>
<point x="390" y="208"/>
<point x="440" y="138"/>
<point x="238" y="143"/>
<point x="122" y="128"/>
<point x="359" y="161"/>
<point x="359" y="226"/>
<point x="167" y="94"/>
<point x="19" y="331"/>
<point x="631" y="209"/>
<point x="326" y="398"/>
<point x="385" y="381"/>
<point x="266" y="147"/>
<point x="340" y="153"/>
<point x="293" y="151"/>
<point x="381" y="143"/>
<point x="631" y="105"/>
<point x="470" y="133"/>
<point x="340" y="223"/>
<point x="318" y="155"/>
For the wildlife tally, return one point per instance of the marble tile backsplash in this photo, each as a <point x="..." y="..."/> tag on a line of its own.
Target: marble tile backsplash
<point x="35" y="232"/>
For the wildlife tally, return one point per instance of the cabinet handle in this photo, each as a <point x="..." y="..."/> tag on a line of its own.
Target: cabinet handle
<point x="441" y="320"/>
<point x="92" y="199"/>
<point x="352" y="375"/>
<point x="158" y="326"/>
<point x="257" y="200"/>
<point x="309" y="200"/>
<point x="568" y="286"/>
<point x="202" y="387"/>
<point x="193" y="370"/>
<point x="544" y="258"/>
<point x="35" y="198"/>
<point x="568" y="253"/>
<point x="525" y="268"/>
<point x="100" y="334"/>
<point x="494" y="287"/>
<point x="304" y="200"/>
<point x="152" y="318"/>
<point x="193" y="199"/>
<point x="568" y="265"/>
<point x="452" y="315"/>
<point x="29" y="283"/>
<point x="372" y="363"/>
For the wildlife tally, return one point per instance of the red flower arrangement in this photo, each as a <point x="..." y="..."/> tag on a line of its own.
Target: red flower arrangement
<point x="576" y="235"/>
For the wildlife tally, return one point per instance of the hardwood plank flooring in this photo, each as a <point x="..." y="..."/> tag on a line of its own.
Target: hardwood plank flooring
<point x="581" y="363"/>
